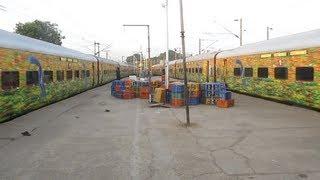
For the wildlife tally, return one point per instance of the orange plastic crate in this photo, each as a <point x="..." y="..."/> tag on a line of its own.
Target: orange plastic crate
<point x="144" y="95"/>
<point x="128" y="95"/>
<point x="144" y="89"/>
<point x="225" y="103"/>
<point x="177" y="102"/>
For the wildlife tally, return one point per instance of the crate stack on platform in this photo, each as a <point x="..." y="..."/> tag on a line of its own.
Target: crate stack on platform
<point x="207" y="93"/>
<point x="156" y="84"/>
<point x="194" y="93"/>
<point x="144" y="90"/>
<point x="216" y="93"/>
<point x="128" y="93"/>
<point x="117" y="88"/>
<point x="177" y="94"/>
<point x="159" y="95"/>
<point x="136" y="88"/>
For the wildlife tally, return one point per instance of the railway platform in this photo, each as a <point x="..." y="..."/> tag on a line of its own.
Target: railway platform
<point x="96" y="136"/>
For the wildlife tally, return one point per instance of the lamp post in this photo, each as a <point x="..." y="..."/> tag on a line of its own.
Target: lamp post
<point x="241" y="31"/>
<point x="167" y="54"/>
<point x="186" y="92"/>
<point x="268" y="32"/>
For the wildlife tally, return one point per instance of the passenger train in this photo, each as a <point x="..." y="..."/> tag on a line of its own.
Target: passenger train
<point x="285" y="69"/>
<point x="35" y="73"/>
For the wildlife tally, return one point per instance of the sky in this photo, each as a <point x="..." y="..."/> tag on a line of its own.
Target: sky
<point x="83" y="22"/>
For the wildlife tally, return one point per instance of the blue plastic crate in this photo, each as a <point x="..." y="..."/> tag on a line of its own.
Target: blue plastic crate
<point x="168" y="96"/>
<point x="177" y="88"/>
<point x="227" y="95"/>
<point x="193" y="101"/>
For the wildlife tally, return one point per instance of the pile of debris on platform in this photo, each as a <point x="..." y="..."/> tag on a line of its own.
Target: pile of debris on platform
<point x="204" y="93"/>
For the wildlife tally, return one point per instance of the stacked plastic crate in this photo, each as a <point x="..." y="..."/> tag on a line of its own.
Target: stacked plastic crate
<point x="144" y="90"/>
<point x="177" y="94"/>
<point x="128" y="92"/>
<point x="224" y="99"/>
<point x="194" y="93"/>
<point x="117" y="88"/>
<point x="216" y="93"/>
<point x="207" y="93"/>
<point x="155" y="84"/>
<point x="136" y="88"/>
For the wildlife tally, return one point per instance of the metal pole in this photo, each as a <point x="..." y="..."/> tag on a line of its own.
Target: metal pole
<point x="186" y="91"/>
<point x="241" y="31"/>
<point x="140" y="65"/>
<point x="149" y="53"/>
<point x="167" y="54"/>
<point x="199" y="46"/>
<point x="98" y="49"/>
<point x="268" y="32"/>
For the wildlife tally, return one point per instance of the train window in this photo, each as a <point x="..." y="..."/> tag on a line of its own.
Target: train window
<point x="9" y="80"/>
<point x="304" y="73"/>
<point x="200" y="70"/>
<point x="281" y="73"/>
<point x="48" y="76"/>
<point x="192" y="70"/>
<point x="237" y="72"/>
<point x="83" y="73"/>
<point x="76" y="74"/>
<point x="69" y="75"/>
<point x="248" y="72"/>
<point x="105" y="72"/>
<point x="197" y="70"/>
<point x="263" y="72"/>
<point x="60" y="75"/>
<point x="88" y="73"/>
<point x="32" y="77"/>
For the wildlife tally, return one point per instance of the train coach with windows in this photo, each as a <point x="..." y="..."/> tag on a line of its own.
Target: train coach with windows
<point x="35" y="73"/>
<point x="284" y="69"/>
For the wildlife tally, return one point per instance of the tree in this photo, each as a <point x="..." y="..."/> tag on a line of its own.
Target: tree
<point x="132" y="59"/>
<point x="43" y="30"/>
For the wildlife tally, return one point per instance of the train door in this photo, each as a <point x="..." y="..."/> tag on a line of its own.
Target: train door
<point x="205" y="70"/>
<point x="93" y="74"/>
<point x="225" y="70"/>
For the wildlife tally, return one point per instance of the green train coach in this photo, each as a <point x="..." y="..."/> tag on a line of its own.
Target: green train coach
<point x="35" y="73"/>
<point x="285" y="69"/>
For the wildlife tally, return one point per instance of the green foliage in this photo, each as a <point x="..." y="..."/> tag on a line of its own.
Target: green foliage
<point x="42" y="30"/>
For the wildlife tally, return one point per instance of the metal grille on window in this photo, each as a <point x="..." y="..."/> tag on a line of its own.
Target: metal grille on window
<point x="304" y="73"/>
<point x="281" y="73"/>
<point x="32" y="77"/>
<point x="263" y="72"/>
<point x="69" y="75"/>
<point x="48" y="76"/>
<point x="237" y="72"/>
<point x="77" y="74"/>
<point x="9" y="80"/>
<point x="60" y="75"/>
<point x="248" y="72"/>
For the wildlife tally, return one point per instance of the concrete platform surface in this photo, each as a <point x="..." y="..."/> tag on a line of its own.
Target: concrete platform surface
<point x="77" y="139"/>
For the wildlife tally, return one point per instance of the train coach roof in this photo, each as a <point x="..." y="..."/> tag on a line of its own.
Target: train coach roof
<point x="107" y="60"/>
<point x="15" y="41"/>
<point x="303" y="40"/>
